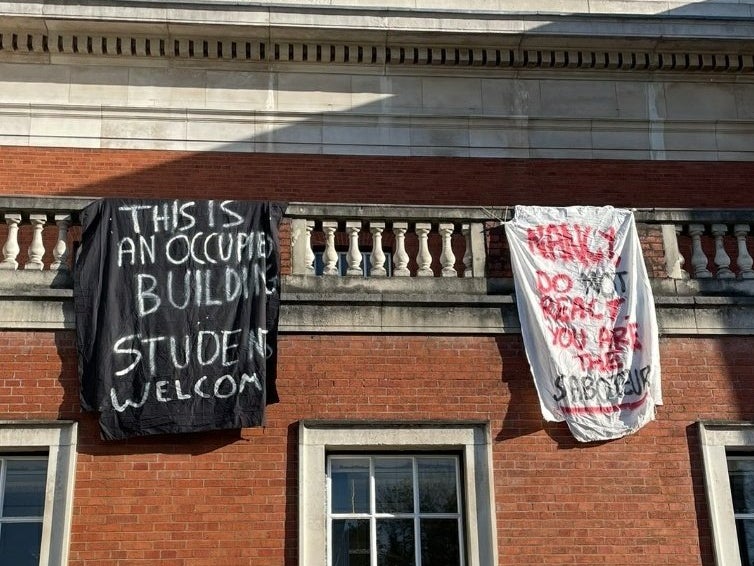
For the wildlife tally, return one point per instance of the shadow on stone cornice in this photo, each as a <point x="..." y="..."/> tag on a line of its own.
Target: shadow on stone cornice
<point x="693" y="36"/>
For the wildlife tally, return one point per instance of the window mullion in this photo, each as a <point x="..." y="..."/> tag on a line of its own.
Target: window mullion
<point x="460" y="509"/>
<point x="328" y="495"/>
<point x="29" y="519"/>
<point x="372" y="515"/>
<point x="3" y="479"/>
<point x="3" y="472"/>
<point x="417" y="532"/>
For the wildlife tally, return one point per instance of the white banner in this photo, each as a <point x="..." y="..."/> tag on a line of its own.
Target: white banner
<point x="587" y="317"/>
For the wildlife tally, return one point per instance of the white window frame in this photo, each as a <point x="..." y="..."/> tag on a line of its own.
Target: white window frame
<point x="471" y="440"/>
<point x="716" y="440"/>
<point x="415" y="515"/>
<point x="58" y="440"/>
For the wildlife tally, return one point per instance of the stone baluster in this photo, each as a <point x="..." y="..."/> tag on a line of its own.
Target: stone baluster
<point x="447" y="258"/>
<point x="308" y="251"/>
<point x="721" y="259"/>
<point x="681" y="259"/>
<point x="11" y="247"/>
<point x="330" y="256"/>
<point x="60" y="251"/>
<point x="698" y="257"/>
<point x="377" y="261"/>
<point x="400" y="257"/>
<point x="468" y="258"/>
<point x="423" y="258"/>
<point x="744" y="260"/>
<point x="36" y="248"/>
<point x="354" y="257"/>
<point x="301" y="245"/>
<point x="673" y="256"/>
<point x="476" y="249"/>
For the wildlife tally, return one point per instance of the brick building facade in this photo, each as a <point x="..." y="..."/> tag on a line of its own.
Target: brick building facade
<point x="423" y="113"/>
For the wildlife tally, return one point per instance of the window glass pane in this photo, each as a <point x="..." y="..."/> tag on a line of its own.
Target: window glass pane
<point x="350" y="485"/>
<point x="24" y="488"/>
<point x="395" y="542"/>
<point x="745" y="528"/>
<point x="350" y="542"/>
<point x="393" y="485"/>
<point x="437" y="485"/>
<point x="440" y="542"/>
<point x="20" y="543"/>
<point x="741" y="473"/>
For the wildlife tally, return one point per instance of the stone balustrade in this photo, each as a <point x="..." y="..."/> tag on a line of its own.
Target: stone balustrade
<point x="37" y="233"/>
<point x="402" y="269"/>
<point x="349" y="240"/>
<point x="704" y="244"/>
<point x="381" y="241"/>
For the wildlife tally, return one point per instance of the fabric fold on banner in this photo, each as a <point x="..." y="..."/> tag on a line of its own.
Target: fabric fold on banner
<point x="587" y="317"/>
<point x="176" y="307"/>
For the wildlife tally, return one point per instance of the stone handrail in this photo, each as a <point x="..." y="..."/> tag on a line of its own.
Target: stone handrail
<point x="350" y="240"/>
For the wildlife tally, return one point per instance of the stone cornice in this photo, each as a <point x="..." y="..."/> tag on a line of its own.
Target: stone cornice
<point x="20" y="44"/>
<point x="696" y="37"/>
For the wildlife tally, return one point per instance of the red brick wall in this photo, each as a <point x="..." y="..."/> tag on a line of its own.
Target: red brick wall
<point x="414" y="180"/>
<point x="230" y="496"/>
<point x="650" y="237"/>
<point x="437" y="181"/>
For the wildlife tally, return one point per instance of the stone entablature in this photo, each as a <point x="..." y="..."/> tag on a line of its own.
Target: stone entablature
<point x="571" y="34"/>
<point x="477" y="112"/>
<point x="575" y="79"/>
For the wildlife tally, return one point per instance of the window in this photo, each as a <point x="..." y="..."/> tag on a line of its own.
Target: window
<point x="741" y="476"/>
<point x="728" y="452"/>
<point x="395" y="510"/>
<point x="391" y="494"/>
<point x="22" y="500"/>
<point x="37" y="465"/>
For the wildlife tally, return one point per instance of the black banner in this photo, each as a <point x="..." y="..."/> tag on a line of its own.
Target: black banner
<point x="176" y="314"/>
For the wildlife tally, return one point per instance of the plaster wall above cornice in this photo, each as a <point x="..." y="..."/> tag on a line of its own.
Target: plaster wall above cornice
<point x="471" y="22"/>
